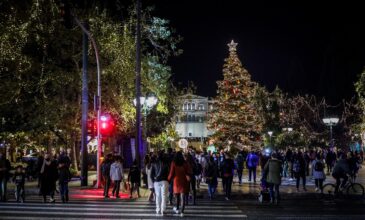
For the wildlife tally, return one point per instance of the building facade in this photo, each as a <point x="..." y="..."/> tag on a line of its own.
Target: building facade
<point x="191" y="123"/>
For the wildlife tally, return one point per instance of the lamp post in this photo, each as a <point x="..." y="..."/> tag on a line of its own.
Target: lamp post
<point x="330" y="122"/>
<point x="289" y="129"/>
<point x="270" y="134"/>
<point x="147" y="103"/>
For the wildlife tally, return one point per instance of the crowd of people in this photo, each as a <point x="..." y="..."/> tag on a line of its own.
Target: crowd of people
<point x="49" y="170"/>
<point x="173" y="178"/>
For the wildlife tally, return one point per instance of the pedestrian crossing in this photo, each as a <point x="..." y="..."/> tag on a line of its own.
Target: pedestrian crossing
<point x="33" y="208"/>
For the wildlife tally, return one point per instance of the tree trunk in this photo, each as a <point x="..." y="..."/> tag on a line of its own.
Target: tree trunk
<point x="74" y="152"/>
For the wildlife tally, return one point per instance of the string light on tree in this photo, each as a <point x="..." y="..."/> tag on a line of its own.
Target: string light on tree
<point x="235" y="116"/>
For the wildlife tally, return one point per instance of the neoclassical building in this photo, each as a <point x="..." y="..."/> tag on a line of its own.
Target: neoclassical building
<point x="191" y="123"/>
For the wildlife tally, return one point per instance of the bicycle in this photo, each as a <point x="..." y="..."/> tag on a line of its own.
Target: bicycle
<point x="350" y="190"/>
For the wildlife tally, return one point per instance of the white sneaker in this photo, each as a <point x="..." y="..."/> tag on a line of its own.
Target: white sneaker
<point x="316" y="189"/>
<point x="176" y="210"/>
<point x="181" y="214"/>
<point x="162" y="213"/>
<point x="157" y="212"/>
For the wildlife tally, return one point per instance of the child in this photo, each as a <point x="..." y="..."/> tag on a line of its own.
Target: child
<point x="64" y="176"/>
<point x="19" y="180"/>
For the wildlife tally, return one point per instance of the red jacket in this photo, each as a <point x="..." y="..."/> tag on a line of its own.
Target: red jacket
<point x="179" y="175"/>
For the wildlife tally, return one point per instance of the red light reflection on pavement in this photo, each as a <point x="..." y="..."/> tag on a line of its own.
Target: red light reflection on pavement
<point x="94" y="194"/>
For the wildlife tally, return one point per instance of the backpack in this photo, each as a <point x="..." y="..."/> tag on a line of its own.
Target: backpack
<point x="296" y="166"/>
<point x="197" y="169"/>
<point x="318" y="166"/>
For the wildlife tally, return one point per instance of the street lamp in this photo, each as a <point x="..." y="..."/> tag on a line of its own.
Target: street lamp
<point x="270" y="134"/>
<point x="330" y="122"/>
<point x="147" y="103"/>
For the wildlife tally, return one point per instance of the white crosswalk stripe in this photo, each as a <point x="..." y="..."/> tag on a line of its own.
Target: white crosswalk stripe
<point x="113" y="209"/>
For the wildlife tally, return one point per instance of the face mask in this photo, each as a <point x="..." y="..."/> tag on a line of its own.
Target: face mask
<point x="47" y="159"/>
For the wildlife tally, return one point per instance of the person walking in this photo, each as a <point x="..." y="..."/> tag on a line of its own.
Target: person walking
<point x="272" y="173"/>
<point x="49" y="176"/>
<point x="150" y="185"/>
<point x="194" y="167"/>
<point x="180" y="173"/>
<point x="227" y="175"/>
<point x="211" y="177"/>
<point x="159" y="176"/>
<point x="116" y="175"/>
<point x="252" y="162"/>
<point x="64" y="177"/>
<point x="134" y="178"/>
<point x="299" y="170"/>
<point x="19" y="181"/>
<point x="330" y="160"/>
<point x="318" y="172"/>
<point x="105" y="170"/>
<point x="4" y="176"/>
<point x="239" y="161"/>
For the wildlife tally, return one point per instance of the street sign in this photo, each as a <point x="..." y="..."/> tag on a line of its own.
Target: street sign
<point x="183" y="143"/>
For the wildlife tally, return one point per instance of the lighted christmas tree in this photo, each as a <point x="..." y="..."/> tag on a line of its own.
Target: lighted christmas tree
<point x="235" y="116"/>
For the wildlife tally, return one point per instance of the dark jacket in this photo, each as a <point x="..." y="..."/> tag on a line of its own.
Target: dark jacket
<point x="64" y="174"/>
<point x="4" y="168"/>
<point x="211" y="173"/>
<point x="19" y="178"/>
<point x="227" y="167"/>
<point x="341" y="168"/>
<point x="239" y="161"/>
<point x="134" y="175"/>
<point x="160" y="171"/>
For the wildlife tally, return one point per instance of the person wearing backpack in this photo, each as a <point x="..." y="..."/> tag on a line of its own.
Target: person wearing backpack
<point x="299" y="170"/>
<point x="105" y="171"/>
<point x="318" y="172"/>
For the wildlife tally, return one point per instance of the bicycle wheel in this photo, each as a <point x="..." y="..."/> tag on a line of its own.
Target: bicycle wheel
<point x="328" y="191"/>
<point x="355" y="190"/>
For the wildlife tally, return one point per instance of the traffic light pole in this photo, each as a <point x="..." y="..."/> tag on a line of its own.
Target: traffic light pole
<point x="68" y="16"/>
<point x="85" y="103"/>
<point x="138" y="85"/>
<point x="97" y="99"/>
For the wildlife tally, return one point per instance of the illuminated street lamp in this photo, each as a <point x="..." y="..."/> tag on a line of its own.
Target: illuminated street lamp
<point x="289" y="129"/>
<point x="330" y="122"/>
<point x="270" y="134"/>
<point x="147" y="103"/>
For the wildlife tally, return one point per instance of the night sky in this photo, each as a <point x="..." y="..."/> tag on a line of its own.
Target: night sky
<point x="315" y="49"/>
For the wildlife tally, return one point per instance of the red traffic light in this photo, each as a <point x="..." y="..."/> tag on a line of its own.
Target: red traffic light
<point x="107" y="125"/>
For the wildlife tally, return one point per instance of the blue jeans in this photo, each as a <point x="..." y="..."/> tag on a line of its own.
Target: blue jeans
<point x="3" y="189"/>
<point x="252" y="172"/>
<point x="64" y="191"/>
<point x="274" y="191"/>
<point x="211" y="190"/>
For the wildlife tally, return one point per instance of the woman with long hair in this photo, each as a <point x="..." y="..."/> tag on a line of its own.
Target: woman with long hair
<point x="180" y="173"/>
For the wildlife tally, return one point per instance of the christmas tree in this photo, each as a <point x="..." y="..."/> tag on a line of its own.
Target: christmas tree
<point x="235" y="116"/>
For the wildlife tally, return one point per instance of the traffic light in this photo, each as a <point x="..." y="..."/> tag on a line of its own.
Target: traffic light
<point x="91" y="127"/>
<point x="107" y="125"/>
<point x="66" y="15"/>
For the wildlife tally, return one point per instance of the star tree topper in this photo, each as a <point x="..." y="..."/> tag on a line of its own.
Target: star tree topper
<point x="232" y="46"/>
